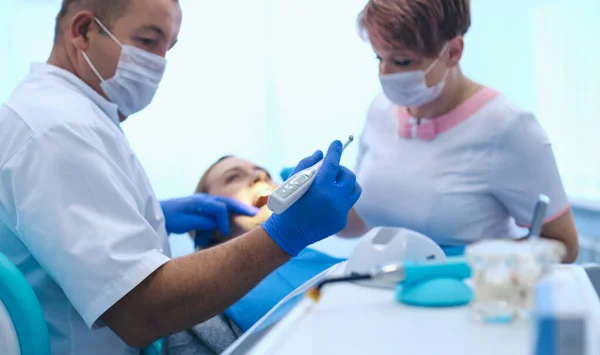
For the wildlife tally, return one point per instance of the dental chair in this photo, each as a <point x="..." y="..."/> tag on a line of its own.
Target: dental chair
<point x="23" y="329"/>
<point x="154" y="349"/>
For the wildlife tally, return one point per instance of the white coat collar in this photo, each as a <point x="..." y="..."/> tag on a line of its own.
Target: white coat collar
<point x="109" y="108"/>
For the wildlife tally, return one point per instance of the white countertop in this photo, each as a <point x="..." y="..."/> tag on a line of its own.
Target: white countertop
<point x="353" y="319"/>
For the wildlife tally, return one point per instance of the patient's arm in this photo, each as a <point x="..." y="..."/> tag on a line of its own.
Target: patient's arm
<point x="355" y="227"/>
<point x="189" y="290"/>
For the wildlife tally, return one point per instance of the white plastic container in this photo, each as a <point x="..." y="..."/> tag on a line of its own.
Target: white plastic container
<point x="390" y="245"/>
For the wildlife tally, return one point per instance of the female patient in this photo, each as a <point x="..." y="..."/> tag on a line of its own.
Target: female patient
<point x="245" y="181"/>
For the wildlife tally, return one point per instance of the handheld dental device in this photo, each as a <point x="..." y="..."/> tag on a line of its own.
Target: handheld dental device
<point x="296" y="186"/>
<point x="538" y="216"/>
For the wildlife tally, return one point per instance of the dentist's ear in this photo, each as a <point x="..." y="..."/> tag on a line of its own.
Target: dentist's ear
<point x="80" y="28"/>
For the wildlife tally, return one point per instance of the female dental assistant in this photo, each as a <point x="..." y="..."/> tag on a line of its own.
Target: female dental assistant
<point x="440" y="153"/>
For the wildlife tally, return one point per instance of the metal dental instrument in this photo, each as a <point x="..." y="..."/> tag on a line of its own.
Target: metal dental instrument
<point x="539" y="214"/>
<point x="296" y="186"/>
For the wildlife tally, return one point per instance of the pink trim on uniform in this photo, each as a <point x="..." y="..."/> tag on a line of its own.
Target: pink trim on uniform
<point x="551" y="218"/>
<point x="443" y="123"/>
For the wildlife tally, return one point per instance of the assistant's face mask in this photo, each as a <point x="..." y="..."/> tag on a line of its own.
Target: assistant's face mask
<point x="136" y="80"/>
<point x="409" y="89"/>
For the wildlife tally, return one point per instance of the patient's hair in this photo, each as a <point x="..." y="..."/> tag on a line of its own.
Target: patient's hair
<point x="421" y="26"/>
<point x="203" y="183"/>
<point x="107" y="11"/>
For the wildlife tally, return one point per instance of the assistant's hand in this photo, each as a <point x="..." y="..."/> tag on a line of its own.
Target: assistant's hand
<point x="323" y="210"/>
<point x="202" y="212"/>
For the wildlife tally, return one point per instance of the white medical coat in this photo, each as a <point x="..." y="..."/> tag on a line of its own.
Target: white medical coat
<point x="77" y="213"/>
<point x="479" y="178"/>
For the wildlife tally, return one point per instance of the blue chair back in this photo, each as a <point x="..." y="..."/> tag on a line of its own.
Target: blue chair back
<point x="154" y="349"/>
<point x="24" y="310"/>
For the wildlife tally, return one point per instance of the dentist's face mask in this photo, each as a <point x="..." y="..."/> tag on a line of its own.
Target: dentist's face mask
<point x="136" y="80"/>
<point x="409" y="89"/>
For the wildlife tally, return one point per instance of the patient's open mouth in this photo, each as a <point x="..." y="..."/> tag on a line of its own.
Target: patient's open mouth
<point x="262" y="198"/>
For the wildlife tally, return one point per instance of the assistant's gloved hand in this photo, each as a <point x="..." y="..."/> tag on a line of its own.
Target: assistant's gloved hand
<point x="202" y="212"/>
<point x="285" y="173"/>
<point x="323" y="210"/>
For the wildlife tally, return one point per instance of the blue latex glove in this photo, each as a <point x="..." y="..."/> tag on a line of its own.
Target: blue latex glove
<point x="323" y="210"/>
<point x="202" y="212"/>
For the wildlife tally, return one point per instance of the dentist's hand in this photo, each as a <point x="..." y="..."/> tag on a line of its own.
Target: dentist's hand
<point x="323" y="210"/>
<point x="202" y="213"/>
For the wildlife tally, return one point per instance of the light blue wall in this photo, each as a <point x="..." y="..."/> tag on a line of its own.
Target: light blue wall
<point x="275" y="80"/>
<point x="499" y="48"/>
<point x="588" y="222"/>
<point x="7" y="60"/>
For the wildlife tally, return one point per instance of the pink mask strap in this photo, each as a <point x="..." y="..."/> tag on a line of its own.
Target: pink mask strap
<point x="438" y="58"/>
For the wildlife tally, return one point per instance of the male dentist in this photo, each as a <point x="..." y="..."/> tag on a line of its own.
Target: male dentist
<point x="78" y="215"/>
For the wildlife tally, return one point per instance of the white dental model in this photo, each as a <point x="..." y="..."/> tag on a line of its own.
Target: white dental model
<point x="505" y="273"/>
<point x="296" y="186"/>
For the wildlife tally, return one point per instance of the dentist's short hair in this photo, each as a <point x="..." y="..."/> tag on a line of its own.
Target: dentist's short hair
<point x="420" y="26"/>
<point x="107" y="10"/>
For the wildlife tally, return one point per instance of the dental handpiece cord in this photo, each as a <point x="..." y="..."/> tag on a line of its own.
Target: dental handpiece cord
<point x="296" y="186"/>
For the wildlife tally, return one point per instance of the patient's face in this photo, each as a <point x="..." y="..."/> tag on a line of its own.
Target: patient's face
<point x="246" y="182"/>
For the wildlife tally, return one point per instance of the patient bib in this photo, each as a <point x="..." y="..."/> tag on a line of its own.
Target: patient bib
<point x="277" y="285"/>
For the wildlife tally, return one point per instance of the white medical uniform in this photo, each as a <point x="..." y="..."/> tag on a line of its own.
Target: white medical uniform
<point x="77" y="213"/>
<point x="477" y="177"/>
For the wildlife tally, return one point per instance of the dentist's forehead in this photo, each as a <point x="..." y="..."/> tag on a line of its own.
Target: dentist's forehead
<point x="164" y="16"/>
